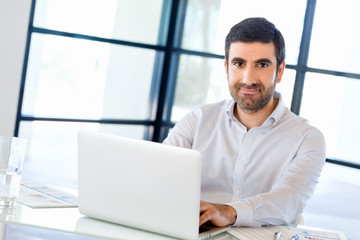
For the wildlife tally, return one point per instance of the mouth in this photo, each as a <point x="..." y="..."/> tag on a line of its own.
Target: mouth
<point x="249" y="91"/>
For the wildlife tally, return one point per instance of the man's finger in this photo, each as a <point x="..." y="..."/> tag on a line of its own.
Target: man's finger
<point x="205" y="217"/>
<point x="217" y="214"/>
<point x="204" y="206"/>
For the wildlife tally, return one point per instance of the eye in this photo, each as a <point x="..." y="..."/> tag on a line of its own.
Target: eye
<point x="263" y="65"/>
<point x="239" y="64"/>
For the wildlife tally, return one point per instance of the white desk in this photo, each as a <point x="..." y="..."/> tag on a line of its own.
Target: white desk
<point x="69" y="220"/>
<point x="68" y="223"/>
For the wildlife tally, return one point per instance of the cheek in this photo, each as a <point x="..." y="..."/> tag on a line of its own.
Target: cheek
<point x="232" y="80"/>
<point x="233" y="76"/>
<point x="270" y="78"/>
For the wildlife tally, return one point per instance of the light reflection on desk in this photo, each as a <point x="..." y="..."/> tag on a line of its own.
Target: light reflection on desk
<point x="69" y="220"/>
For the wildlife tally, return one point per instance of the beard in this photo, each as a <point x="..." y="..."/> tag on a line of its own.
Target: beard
<point x="252" y="103"/>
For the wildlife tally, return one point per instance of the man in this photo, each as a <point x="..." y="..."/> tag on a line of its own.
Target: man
<point x="261" y="162"/>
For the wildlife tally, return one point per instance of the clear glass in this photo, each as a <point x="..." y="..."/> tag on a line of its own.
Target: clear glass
<point x="74" y="78"/>
<point x="130" y="20"/>
<point x="286" y="86"/>
<point x="330" y="104"/>
<point x="336" y="35"/>
<point x="200" y="80"/>
<point x="52" y="150"/>
<point x="203" y="80"/>
<point x="12" y="154"/>
<point x="208" y="22"/>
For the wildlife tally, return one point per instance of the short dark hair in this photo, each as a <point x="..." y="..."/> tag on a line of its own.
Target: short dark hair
<point x="256" y="30"/>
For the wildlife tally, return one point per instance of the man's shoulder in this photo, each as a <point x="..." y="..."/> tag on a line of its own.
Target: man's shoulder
<point x="298" y="123"/>
<point x="209" y="112"/>
<point x="221" y="106"/>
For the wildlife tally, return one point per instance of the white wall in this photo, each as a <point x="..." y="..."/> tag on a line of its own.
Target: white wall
<point x="14" y="21"/>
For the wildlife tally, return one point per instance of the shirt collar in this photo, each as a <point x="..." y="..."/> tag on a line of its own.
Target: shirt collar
<point x="230" y="111"/>
<point x="278" y="112"/>
<point x="273" y="119"/>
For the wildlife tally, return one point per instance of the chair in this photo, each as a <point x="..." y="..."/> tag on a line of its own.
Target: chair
<point x="299" y="220"/>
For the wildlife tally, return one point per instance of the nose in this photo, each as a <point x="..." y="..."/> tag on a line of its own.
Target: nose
<point x="249" y="76"/>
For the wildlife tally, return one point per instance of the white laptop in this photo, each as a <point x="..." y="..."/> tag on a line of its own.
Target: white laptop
<point x="141" y="184"/>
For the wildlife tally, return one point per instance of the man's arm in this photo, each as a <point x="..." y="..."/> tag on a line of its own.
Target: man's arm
<point x="289" y="195"/>
<point x="182" y="135"/>
<point x="217" y="214"/>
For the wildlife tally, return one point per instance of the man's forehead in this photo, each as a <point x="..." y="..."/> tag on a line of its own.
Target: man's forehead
<point x="252" y="50"/>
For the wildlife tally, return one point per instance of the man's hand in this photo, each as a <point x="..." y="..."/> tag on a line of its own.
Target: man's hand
<point x="217" y="214"/>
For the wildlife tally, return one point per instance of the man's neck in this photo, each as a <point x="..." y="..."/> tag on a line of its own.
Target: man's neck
<point x="255" y="119"/>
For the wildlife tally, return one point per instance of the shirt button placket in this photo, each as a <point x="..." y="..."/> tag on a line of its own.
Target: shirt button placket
<point x="239" y="169"/>
<point x="238" y="180"/>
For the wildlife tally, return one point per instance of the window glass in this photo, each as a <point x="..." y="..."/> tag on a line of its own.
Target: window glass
<point x="328" y="102"/>
<point x="75" y="78"/>
<point x="286" y="86"/>
<point x="208" y="22"/>
<point x="200" y="80"/>
<point x="131" y="20"/>
<point x="336" y="36"/>
<point x="52" y="148"/>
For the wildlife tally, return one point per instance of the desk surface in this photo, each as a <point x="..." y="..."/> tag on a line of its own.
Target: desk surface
<point x="69" y="220"/>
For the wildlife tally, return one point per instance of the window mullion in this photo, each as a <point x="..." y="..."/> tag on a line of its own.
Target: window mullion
<point x="24" y="70"/>
<point x="168" y="76"/>
<point x="303" y="56"/>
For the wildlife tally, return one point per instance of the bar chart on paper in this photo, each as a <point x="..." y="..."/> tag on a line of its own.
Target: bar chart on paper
<point x="37" y="195"/>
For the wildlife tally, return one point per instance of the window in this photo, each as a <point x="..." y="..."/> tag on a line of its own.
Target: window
<point x="97" y="68"/>
<point x="201" y="79"/>
<point x="335" y="40"/>
<point x="77" y="78"/>
<point x="135" y="67"/>
<point x="332" y="83"/>
<point x="208" y="22"/>
<point x="137" y="20"/>
<point x="333" y="113"/>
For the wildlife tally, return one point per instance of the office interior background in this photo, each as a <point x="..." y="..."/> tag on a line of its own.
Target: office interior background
<point x="135" y="67"/>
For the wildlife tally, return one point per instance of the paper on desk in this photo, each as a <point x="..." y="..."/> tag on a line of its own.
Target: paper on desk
<point x="38" y="195"/>
<point x="244" y="233"/>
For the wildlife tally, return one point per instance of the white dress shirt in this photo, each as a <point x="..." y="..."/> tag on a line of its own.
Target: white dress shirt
<point x="266" y="174"/>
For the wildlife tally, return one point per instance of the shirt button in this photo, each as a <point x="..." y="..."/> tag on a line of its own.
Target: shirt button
<point x="240" y="161"/>
<point x="237" y="192"/>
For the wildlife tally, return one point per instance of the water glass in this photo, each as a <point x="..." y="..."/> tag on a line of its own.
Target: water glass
<point x="12" y="154"/>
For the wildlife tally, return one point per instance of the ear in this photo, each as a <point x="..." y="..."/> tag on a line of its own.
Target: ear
<point x="226" y="69"/>
<point x="280" y="72"/>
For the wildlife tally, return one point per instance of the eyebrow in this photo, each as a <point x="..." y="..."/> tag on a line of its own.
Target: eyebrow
<point x="261" y="60"/>
<point x="264" y="60"/>
<point x="237" y="59"/>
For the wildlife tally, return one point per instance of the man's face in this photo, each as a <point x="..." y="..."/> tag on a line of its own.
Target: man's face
<point x="252" y="74"/>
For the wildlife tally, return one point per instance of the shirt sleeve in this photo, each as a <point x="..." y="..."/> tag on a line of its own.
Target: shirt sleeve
<point x="182" y="135"/>
<point x="288" y="197"/>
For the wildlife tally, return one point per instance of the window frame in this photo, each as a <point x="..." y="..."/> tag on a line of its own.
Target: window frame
<point x="166" y="66"/>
